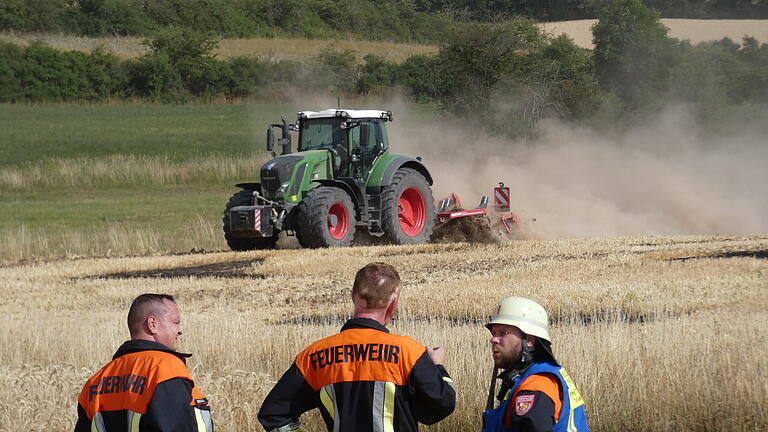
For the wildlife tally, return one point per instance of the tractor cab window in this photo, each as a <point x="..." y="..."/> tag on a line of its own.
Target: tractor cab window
<point x="376" y="139"/>
<point x="327" y="134"/>
<point x="376" y="145"/>
<point x="321" y="133"/>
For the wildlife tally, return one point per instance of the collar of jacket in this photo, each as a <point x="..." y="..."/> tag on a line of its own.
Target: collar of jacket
<point x="362" y="323"/>
<point x="137" y="345"/>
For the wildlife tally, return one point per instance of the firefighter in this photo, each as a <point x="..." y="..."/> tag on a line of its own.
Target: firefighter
<point x="536" y="392"/>
<point x="364" y="378"/>
<point x="146" y="386"/>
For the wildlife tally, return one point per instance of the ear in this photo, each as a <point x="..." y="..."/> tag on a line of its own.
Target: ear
<point x="531" y="340"/>
<point x="391" y="307"/>
<point x="151" y="324"/>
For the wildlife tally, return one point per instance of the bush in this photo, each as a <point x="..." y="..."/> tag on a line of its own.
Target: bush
<point x="106" y="74"/>
<point x="333" y="69"/>
<point x="41" y="73"/>
<point x="154" y="77"/>
<point x="422" y="77"/>
<point x="569" y="72"/>
<point x="481" y="56"/>
<point x="633" y="53"/>
<point x="36" y="16"/>
<point x="508" y="76"/>
<point x="375" y="75"/>
<point x="242" y="76"/>
<point x="179" y="62"/>
<point x="111" y="17"/>
<point x="10" y="86"/>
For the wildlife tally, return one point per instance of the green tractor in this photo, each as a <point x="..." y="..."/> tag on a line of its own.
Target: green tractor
<point x="342" y="181"/>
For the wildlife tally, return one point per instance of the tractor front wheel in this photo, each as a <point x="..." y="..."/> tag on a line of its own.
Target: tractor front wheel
<point x="244" y="198"/>
<point x="326" y="218"/>
<point x="408" y="209"/>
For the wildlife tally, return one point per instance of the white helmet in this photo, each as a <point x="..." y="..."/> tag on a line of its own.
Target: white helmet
<point x="527" y="315"/>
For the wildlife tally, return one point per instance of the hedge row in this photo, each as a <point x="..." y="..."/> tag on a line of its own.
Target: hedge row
<point x="396" y="20"/>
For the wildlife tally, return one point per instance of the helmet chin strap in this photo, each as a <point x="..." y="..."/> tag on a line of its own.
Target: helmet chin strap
<point x="526" y="352"/>
<point x="517" y="368"/>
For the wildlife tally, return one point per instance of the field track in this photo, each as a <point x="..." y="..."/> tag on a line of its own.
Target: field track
<point x="643" y="324"/>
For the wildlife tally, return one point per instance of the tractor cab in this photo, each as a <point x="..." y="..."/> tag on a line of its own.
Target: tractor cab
<point x="355" y="138"/>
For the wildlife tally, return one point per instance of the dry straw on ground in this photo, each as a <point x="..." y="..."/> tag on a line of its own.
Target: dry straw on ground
<point x="655" y="331"/>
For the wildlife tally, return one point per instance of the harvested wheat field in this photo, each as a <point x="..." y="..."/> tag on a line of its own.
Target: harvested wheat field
<point x="659" y="333"/>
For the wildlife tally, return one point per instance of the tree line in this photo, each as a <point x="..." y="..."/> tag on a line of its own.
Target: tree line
<point x="396" y="20"/>
<point x="559" y="10"/>
<point x="505" y="76"/>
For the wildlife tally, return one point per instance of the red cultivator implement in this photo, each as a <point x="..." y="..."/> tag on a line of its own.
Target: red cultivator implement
<point x="450" y="212"/>
<point x="450" y="208"/>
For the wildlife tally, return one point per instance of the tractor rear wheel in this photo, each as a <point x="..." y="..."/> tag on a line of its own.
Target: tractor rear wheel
<point x="408" y="208"/>
<point x="244" y="198"/>
<point x="326" y="218"/>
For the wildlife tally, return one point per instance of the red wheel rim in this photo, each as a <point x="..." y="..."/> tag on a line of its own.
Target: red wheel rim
<point x="338" y="212"/>
<point x="411" y="211"/>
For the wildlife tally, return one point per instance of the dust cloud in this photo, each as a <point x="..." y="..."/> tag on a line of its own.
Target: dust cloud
<point x="662" y="177"/>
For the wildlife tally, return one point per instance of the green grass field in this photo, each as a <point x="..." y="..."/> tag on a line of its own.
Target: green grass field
<point x="83" y="179"/>
<point x="36" y="132"/>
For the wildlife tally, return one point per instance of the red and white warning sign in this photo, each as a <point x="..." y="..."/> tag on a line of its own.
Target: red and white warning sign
<point x="257" y="220"/>
<point x="501" y="197"/>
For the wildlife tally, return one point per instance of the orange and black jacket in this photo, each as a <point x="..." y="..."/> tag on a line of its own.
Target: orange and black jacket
<point x="362" y="379"/>
<point x="146" y="387"/>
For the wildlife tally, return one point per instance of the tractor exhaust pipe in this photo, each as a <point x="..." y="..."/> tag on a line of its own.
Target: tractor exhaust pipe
<point x="284" y="141"/>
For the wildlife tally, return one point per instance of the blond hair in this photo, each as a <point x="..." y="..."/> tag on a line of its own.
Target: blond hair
<point x="375" y="283"/>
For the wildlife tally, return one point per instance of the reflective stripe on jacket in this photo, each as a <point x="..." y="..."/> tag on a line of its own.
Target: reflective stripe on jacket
<point x="363" y="378"/>
<point x="145" y="387"/>
<point x="572" y="416"/>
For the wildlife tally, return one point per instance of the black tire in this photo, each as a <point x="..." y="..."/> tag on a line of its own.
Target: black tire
<point x="315" y="218"/>
<point x="406" y="179"/>
<point x="244" y="198"/>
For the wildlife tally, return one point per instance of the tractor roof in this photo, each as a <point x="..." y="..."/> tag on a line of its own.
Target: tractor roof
<point x="346" y="113"/>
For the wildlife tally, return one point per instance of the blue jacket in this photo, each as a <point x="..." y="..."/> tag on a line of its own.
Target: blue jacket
<point x="572" y="415"/>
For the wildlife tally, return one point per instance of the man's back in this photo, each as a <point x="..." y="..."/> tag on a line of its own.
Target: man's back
<point x="364" y="378"/>
<point x="146" y="386"/>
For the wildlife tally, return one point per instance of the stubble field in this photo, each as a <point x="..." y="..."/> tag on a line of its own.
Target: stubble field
<point x="659" y="333"/>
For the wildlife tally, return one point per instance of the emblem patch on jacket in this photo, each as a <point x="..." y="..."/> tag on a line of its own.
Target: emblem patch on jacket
<point x="523" y="404"/>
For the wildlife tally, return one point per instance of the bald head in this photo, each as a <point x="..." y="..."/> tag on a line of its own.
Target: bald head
<point x="376" y="284"/>
<point x="144" y="306"/>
